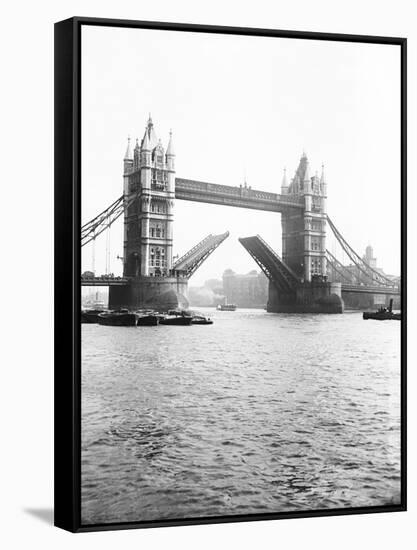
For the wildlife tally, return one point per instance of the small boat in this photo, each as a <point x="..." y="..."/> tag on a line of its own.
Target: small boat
<point x="91" y="315"/>
<point x="226" y="307"/>
<point x="120" y="318"/>
<point x="147" y="320"/>
<point x="183" y="320"/>
<point x="201" y="320"/>
<point x="383" y="314"/>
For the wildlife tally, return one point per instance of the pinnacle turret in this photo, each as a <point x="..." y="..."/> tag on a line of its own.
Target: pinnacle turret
<point x="170" y="152"/>
<point x="128" y="154"/>
<point x="322" y="178"/>
<point x="146" y="146"/>
<point x="307" y="170"/>
<point x="284" y="179"/>
<point x="153" y="140"/>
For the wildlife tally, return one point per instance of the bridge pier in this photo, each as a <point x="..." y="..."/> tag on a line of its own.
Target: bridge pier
<point x="308" y="297"/>
<point x="161" y="293"/>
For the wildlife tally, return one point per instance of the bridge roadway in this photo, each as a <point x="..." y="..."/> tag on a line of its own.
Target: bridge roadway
<point x="363" y="289"/>
<point x="104" y="281"/>
<point x="241" y="197"/>
<point x="360" y="289"/>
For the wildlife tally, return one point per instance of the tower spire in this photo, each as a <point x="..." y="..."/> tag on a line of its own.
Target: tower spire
<point x="170" y="149"/>
<point x="284" y="184"/>
<point x="145" y="141"/>
<point x="322" y="179"/>
<point x="128" y="154"/>
<point x="150" y="130"/>
<point x="307" y="170"/>
<point x="284" y="179"/>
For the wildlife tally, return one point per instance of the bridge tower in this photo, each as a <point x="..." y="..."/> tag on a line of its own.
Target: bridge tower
<point x="304" y="249"/>
<point x="304" y="233"/>
<point x="148" y="222"/>
<point x="149" y="175"/>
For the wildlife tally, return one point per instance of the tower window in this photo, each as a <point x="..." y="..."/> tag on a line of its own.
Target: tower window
<point x="316" y="266"/>
<point x="315" y="243"/>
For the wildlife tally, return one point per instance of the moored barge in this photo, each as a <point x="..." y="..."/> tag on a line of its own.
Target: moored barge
<point x="118" y="319"/>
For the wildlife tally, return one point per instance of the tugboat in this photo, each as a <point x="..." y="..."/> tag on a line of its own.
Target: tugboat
<point x="383" y="314"/>
<point x="119" y="318"/>
<point x="226" y="307"/>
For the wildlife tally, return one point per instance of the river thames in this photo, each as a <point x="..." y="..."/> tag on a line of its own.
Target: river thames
<point x="256" y="413"/>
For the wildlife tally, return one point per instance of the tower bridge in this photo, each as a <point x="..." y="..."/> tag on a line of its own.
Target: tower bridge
<point x="308" y="278"/>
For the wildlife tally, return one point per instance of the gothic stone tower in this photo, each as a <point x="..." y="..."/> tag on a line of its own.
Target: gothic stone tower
<point x="149" y="174"/>
<point x="148" y="222"/>
<point x="304" y="234"/>
<point x="304" y="248"/>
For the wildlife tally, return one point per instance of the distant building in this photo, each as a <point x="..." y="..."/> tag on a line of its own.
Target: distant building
<point x="357" y="275"/>
<point x="94" y="297"/>
<point x="249" y="290"/>
<point x="369" y="256"/>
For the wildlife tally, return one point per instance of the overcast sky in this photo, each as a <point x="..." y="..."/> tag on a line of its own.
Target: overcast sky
<point x="245" y="105"/>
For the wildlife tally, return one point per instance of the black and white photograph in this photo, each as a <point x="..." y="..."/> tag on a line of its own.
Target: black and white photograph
<point x="241" y="275"/>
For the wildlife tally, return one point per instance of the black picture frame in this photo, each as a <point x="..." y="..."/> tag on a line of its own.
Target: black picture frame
<point x="68" y="269"/>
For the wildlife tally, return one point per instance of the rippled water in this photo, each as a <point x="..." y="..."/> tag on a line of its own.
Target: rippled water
<point x="256" y="413"/>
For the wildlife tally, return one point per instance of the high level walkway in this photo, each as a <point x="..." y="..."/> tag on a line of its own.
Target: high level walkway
<point x="241" y="197"/>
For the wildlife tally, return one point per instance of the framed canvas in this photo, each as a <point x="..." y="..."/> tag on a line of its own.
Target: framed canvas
<point x="230" y="276"/>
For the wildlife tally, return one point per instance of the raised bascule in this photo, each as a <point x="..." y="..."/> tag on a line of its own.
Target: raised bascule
<point x="308" y="278"/>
